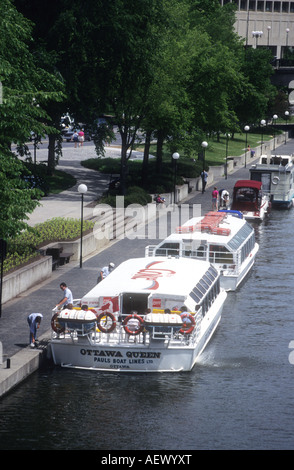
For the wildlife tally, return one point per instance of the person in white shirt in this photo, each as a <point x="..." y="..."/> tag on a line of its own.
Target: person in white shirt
<point x="34" y="320"/>
<point x="225" y="198"/>
<point x="67" y="296"/>
<point x="105" y="272"/>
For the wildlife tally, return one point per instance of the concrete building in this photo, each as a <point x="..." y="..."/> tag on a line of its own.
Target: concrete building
<point x="267" y="23"/>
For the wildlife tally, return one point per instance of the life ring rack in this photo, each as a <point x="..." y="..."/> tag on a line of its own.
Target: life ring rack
<point x="188" y="331"/>
<point x="138" y="330"/>
<point x="55" y="324"/>
<point x="275" y="180"/>
<point x="99" y="321"/>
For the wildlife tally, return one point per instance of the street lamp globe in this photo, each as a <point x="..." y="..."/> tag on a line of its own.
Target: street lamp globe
<point x="82" y="188"/>
<point x="246" y="128"/>
<point x="176" y="156"/>
<point x="204" y="144"/>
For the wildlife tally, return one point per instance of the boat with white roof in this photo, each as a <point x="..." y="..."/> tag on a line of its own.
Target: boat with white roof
<point x="276" y="172"/>
<point x="223" y="238"/>
<point x="148" y="315"/>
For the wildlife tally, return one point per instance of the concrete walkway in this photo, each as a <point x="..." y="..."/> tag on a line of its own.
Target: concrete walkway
<point x="14" y="333"/>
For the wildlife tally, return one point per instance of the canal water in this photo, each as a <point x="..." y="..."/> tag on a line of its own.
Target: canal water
<point x="240" y="394"/>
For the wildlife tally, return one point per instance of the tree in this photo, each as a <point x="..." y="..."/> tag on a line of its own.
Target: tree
<point x="26" y="88"/>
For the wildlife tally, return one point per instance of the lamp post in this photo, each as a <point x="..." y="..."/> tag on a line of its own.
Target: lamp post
<point x="256" y="35"/>
<point x="82" y="189"/>
<point x="227" y="145"/>
<point x="204" y="145"/>
<point x="287" y="36"/>
<point x="286" y="117"/>
<point x="275" y="117"/>
<point x="246" y="129"/>
<point x="175" y="156"/>
<point x="268" y="33"/>
<point x="262" y="124"/>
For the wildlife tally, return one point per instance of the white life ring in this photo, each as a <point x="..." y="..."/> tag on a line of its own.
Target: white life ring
<point x="275" y="180"/>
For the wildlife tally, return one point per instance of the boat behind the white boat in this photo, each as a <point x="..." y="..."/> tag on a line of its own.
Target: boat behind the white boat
<point x="123" y="324"/>
<point x="250" y="200"/>
<point x="276" y="172"/>
<point x="223" y="238"/>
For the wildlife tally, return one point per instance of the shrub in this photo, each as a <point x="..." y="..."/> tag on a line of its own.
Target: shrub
<point x="23" y="248"/>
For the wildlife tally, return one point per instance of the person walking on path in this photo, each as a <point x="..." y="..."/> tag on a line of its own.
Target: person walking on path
<point x="204" y="176"/>
<point x="215" y="199"/>
<point x="67" y="296"/>
<point x="34" y="320"/>
<point x="75" y="138"/>
<point x="81" y="137"/>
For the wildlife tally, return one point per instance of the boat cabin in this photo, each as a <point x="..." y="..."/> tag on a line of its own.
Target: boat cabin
<point x="247" y="196"/>
<point x="145" y="285"/>
<point x="276" y="173"/>
<point x="222" y="238"/>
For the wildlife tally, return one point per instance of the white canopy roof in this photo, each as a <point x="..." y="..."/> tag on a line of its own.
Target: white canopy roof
<point x="158" y="275"/>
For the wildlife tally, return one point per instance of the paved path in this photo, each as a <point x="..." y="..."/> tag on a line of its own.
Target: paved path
<point x="14" y="333"/>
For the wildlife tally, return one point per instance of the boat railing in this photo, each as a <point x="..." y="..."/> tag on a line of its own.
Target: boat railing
<point x="169" y="333"/>
<point x="223" y="259"/>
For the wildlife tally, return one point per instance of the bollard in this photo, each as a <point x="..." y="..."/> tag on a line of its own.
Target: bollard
<point x="8" y="364"/>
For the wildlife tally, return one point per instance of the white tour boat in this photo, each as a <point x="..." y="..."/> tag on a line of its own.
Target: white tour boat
<point x="249" y="198"/>
<point x="276" y="172"/>
<point x="122" y="324"/>
<point x="222" y="238"/>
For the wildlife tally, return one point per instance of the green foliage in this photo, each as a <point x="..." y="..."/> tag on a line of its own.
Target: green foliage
<point x="23" y="247"/>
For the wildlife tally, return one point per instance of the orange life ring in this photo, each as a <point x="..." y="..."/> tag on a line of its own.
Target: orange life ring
<point x="192" y="319"/>
<point x="141" y="323"/>
<point x="55" y="324"/>
<point x="112" y="318"/>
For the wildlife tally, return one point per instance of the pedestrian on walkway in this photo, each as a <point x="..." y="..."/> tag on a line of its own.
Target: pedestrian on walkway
<point x="215" y="199"/>
<point x="34" y="320"/>
<point x="67" y="296"/>
<point x="75" y="138"/>
<point x="81" y="137"/>
<point x="105" y="272"/>
<point x="204" y="176"/>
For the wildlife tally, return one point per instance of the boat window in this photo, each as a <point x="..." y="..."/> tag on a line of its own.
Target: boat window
<point x="213" y="272"/>
<point x="196" y="294"/>
<point x="168" y="249"/>
<point x="207" y="279"/>
<point x="204" y="283"/>
<point x="244" y="195"/>
<point x="220" y="254"/>
<point x="201" y="251"/>
<point x="201" y="288"/>
<point x="240" y="237"/>
<point x="206" y="296"/>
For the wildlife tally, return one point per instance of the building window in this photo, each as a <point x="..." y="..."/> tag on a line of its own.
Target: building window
<point x="277" y="7"/>
<point x="292" y="7"/>
<point x="243" y="5"/>
<point x="252" y="5"/>
<point x="269" y="6"/>
<point x="285" y="7"/>
<point x="260" y="6"/>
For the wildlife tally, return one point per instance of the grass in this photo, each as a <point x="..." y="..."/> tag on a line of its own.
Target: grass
<point x="215" y="153"/>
